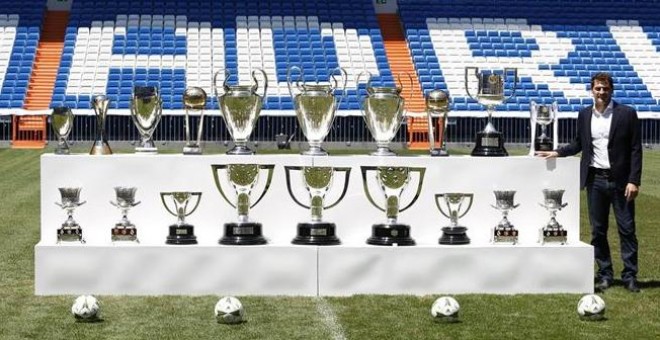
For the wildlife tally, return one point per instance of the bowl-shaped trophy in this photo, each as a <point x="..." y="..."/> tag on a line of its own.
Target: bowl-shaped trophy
<point x="146" y="111"/>
<point x="553" y="232"/>
<point x="317" y="181"/>
<point x="490" y="93"/>
<point x="543" y="115"/>
<point x="454" y="205"/>
<point x="70" y="230"/>
<point x="315" y="106"/>
<point x="61" y="120"/>
<point x="240" y="106"/>
<point x="100" y="105"/>
<point x="124" y="230"/>
<point x="505" y="232"/>
<point x="194" y="100"/>
<point x="242" y="178"/>
<point x="392" y="181"/>
<point x="437" y="108"/>
<point x="181" y="204"/>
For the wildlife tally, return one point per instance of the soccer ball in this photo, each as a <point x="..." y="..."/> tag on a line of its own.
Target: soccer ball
<point x="591" y="307"/>
<point x="445" y="309"/>
<point x="86" y="308"/>
<point x="229" y="310"/>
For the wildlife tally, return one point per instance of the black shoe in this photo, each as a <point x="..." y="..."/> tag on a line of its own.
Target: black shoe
<point x="602" y="284"/>
<point x="632" y="286"/>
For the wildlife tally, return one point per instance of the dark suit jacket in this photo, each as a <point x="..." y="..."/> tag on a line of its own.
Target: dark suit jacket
<point x="624" y="147"/>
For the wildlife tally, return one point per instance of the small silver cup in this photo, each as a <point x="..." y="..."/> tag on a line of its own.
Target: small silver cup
<point x="61" y="120"/>
<point x="454" y="205"/>
<point x="70" y="230"/>
<point x="124" y="230"/>
<point x="505" y="232"/>
<point x="146" y="111"/>
<point x="181" y="204"/>
<point x="553" y="232"/>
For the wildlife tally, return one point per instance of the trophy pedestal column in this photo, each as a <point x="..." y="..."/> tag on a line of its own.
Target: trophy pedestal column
<point x="317" y="234"/>
<point x="489" y="144"/>
<point x="390" y="234"/>
<point x="181" y="234"/>
<point x="242" y="234"/>
<point x="454" y="235"/>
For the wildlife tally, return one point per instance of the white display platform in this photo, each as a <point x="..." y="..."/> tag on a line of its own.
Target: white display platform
<point x="95" y="267"/>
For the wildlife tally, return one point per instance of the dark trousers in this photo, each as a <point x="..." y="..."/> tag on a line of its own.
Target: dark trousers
<point x="601" y="194"/>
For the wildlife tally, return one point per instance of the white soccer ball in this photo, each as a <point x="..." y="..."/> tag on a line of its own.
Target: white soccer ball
<point x="445" y="309"/>
<point x="229" y="310"/>
<point x="86" y="308"/>
<point x="591" y="307"/>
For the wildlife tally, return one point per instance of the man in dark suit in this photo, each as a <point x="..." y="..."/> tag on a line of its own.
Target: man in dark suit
<point x="611" y="169"/>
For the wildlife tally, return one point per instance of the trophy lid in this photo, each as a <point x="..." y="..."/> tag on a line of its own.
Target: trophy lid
<point x="437" y="100"/>
<point x="194" y="97"/>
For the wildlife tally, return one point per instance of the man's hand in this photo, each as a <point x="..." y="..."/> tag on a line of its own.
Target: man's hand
<point x="547" y="154"/>
<point x="631" y="192"/>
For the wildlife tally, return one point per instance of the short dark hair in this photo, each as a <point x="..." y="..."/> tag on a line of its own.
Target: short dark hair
<point x="602" y="76"/>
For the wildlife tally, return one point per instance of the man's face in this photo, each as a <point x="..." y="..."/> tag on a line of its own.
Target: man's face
<point x="602" y="92"/>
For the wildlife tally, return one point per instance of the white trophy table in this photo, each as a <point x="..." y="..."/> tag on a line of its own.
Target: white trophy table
<point x="280" y="268"/>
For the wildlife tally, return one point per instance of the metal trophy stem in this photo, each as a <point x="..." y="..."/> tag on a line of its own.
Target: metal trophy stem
<point x="194" y="100"/>
<point x="100" y="105"/>
<point x="543" y="115"/>
<point x="181" y="232"/>
<point x="146" y="111"/>
<point x="61" y="120"/>
<point x="437" y="106"/>
<point x="505" y="232"/>
<point x="124" y="230"/>
<point x="70" y="230"/>
<point x="457" y="205"/>
<point x="553" y="232"/>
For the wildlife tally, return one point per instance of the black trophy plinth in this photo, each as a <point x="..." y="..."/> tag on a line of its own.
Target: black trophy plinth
<point x="489" y="144"/>
<point x="243" y="234"/>
<point x="388" y="234"/>
<point x="543" y="144"/>
<point x="454" y="236"/>
<point x="316" y="234"/>
<point x="181" y="234"/>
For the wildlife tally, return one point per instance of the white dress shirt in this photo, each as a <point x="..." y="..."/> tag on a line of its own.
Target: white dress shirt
<point x="600" y="136"/>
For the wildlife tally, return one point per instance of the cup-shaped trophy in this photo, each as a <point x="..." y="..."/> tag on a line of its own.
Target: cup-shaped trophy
<point x="553" y="232"/>
<point x="383" y="109"/>
<point x="61" y="120"/>
<point x="505" y="232"/>
<point x="124" y="229"/>
<point x="543" y="115"/>
<point x="437" y="108"/>
<point x="392" y="182"/>
<point x="490" y="93"/>
<point x="71" y="230"/>
<point x="100" y="105"/>
<point x="454" y="205"/>
<point x="194" y="100"/>
<point x="146" y="110"/>
<point x="181" y="204"/>
<point x="240" y="106"/>
<point x="242" y="178"/>
<point x="317" y="180"/>
<point x="315" y="106"/>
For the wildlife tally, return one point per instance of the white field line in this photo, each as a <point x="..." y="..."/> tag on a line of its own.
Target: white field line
<point x="330" y="319"/>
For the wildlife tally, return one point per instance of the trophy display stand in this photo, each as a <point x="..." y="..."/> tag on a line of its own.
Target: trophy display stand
<point x="243" y="234"/>
<point x="489" y="143"/>
<point x="70" y="233"/>
<point x="505" y="235"/>
<point x="454" y="236"/>
<point x="390" y="234"/>
<point x="123" y="232"/>
<point x="181" y="234"/>
<point x="553" y="235"/>
<point x="316" y="234"/>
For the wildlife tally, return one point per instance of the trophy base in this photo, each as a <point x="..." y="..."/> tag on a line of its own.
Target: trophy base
<point x="68" y="234"/>
<point x="454" y="236"/>
<point x="316" y="234"/>
<point x="384" y="151"/>
<point x="390" y="234"/>
<point x="505" y="235"/>
<point x="59" y="151"/>
<point x="146" y="150"/>
<point x="192" y="150"/>
<point x="100" y="148"/>
<point x="489" y="144"/>
<point x="553" y="235"/>
<point x="240" y="150"/>
<point x="243" y="234"/>
<point x="543" y="144"/>
<point x="438" y="153"/>
<point x="181" y="234"/>
<point x="315" y="151"/>
<point x="124" y="234"/>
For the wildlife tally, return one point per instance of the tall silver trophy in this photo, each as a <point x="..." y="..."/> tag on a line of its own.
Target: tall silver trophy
<point x="181" y="204"/>
<point x="61" y="120"/>
<point x="454" y="205"/>
<point x="70" y="230"/>
<point x="240" y="106"/>
<point x="100" y="105"/>
<point x="553" y="232"/>
<point x="437" y="108"/>
<point x="392" y="181"/>
<point x="317" y="181"/>
<point x="124" y="230"/>
<point x="194" y="100"/>
<point x="242" y="178"/>
<point x="146" y="110"/>
<point x="543" y="115"/>
<point x="490" y="93"/>
<point x="383" y="109"/>
<point x="505" y="232"/>
<point x="315" y="106"/>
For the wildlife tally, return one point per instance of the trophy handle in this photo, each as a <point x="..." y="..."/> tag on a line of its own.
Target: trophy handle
<point x="357" y="85"/>
<point x="471" y="196"/>
<point x="515" y="80"/>
<point x="410" y="82"/>
<point x="162" y="198"/>
<point x="437" y="203"/>
<point x="344" y="77"/>
<point x="347" y="174"/>
<point x="289" y="82"/>
<point x="215" y="168"/>
<point x="555" y="125"/>
<point x="256" y="82"/>
<point x="365" y="170"/>
<point x="421" y="172"/>
<point x="287" y="172"/>
<point x="270" y="168"/>
<point x="533" y="107"/>
<point x="214" y="85"/>
<point x="467" y="73"/>
<point x="199" y="199"/>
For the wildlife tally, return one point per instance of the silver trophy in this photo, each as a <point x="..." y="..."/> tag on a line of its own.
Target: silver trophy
<point x="61" y="120"/>
<point x="124" y="230"/>
<point x="146" y="110"/>
<point x="242" y="178"/>
<point x="240" y="106"/>
<point x="454" y="205"/>
<point x="543" y="115"/>
<point x="181" y="204"/>
<point x="490" y="93"/>
<point x="315" y="107"/>
<point x="505" y="232"/>
<point x="194" y="100"/>
<point x="553" y="232"/>
<point x="100" y="106"/>
<point x="317" y="181"/>
<point x="71" y="230"/>
<point x="392" y="182"/>
<point x="437" y="107"/>
<point x="383" y="109"/>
